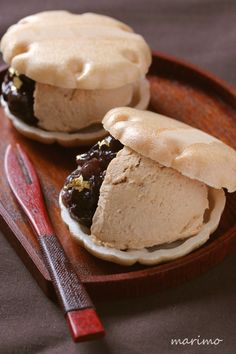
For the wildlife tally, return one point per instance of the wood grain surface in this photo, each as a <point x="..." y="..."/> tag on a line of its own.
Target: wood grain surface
<point x="178" y="90"/>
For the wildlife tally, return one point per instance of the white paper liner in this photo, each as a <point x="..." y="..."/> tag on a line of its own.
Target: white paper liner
<point x="86" y="136"/>
<point x="152" y="255"/>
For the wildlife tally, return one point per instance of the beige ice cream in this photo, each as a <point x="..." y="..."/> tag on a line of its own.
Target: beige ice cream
<point x="69" y="110"/>
<point x="143" y="204"/>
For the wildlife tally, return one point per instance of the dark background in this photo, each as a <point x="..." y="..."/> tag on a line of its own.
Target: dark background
<point x="202" y="32"/>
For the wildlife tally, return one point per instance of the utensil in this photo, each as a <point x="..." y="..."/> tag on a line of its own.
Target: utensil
<point x="79" y="311"/>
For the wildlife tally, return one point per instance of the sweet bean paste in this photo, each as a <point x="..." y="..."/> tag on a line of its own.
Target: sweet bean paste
<point x="18" y="92"/>
<point x="81" y="190"/>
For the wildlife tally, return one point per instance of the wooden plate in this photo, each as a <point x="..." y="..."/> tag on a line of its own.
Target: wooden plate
<point x="178" y="90"/>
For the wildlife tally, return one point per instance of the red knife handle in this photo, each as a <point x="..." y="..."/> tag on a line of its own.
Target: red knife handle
<point x="74" y="299"/>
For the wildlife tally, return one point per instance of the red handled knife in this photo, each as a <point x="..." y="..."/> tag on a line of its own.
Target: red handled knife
<point x="79" y="311"/>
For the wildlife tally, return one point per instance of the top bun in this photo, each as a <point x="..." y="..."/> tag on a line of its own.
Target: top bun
<point x="87" y="51"/>
<point x="190" y="151"/>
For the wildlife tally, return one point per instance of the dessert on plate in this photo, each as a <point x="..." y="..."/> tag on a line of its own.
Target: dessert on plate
<point x="66" y="71"/>
<point x="150" y="192"/>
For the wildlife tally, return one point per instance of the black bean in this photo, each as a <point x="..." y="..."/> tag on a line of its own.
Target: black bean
<point x="20" y="99"/>
<point x="82" y="202"/>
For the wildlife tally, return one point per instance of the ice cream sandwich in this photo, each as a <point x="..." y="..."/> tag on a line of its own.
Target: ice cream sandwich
<point x="150" y="192"/>
<point x="66" y="71"/>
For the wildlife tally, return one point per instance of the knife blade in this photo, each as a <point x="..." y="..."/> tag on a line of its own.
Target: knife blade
<point x="78" y="308"/>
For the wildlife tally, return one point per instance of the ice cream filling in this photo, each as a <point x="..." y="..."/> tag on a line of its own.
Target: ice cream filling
<point x="17" y="92"/>
<point x="70" y="110"/>
<point x="143" y="204"/>
<point x="56" y="109"/>
<point x="81" y="190"/>
<point x="130" y="201"/>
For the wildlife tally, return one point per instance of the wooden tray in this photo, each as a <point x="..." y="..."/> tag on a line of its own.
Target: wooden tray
<point x="178" y="90"/>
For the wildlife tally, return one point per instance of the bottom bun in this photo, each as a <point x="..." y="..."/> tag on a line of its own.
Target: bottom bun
<point x="85" y="136"/>
<point x="152" y="255"/>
